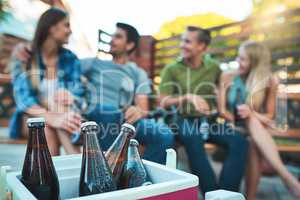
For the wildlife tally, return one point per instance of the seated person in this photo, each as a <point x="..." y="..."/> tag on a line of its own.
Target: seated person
<point x="48" y="83"/>
<point x="257" y="89"/>
<point x="189" y="83"/>
<point x="119" y="93"/>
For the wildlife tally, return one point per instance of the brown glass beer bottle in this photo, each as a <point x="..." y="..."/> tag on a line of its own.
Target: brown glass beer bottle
<point x="238" y="121"/>
<point x="134" y="173"/>
<point x="95" y="176"/>
<point x="116" y="155"/>
<point x="38" y="173"/>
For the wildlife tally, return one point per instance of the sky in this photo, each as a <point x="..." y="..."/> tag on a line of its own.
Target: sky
<point x="147" y="16"/>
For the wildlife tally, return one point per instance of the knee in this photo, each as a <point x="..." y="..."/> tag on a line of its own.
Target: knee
<point x="50" y="134"/>
<point x="239" y="144"/>
<point x="166" y="135"/>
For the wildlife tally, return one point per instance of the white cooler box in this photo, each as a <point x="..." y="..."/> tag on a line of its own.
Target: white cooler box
<point x="168" y="183"/>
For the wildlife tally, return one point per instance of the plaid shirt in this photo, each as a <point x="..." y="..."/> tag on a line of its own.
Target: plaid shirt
<point x="68" y="76"/>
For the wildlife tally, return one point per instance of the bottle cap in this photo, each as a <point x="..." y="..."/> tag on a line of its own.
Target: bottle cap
<point x="128" y="126"/>
<point x="88" y="123"/>
<point x="134" y="142"/>
<point x="36" y="122"/>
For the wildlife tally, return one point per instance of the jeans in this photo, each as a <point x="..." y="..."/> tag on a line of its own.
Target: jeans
<point x="234" y="165"/>
<point x="157" y="137"/>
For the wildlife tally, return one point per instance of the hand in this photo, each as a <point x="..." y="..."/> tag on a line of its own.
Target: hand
<point x="244" y="111"/>
<point x="22" y="52"/>
<point x="133" y="114"/>
<point x="63" y="97"/>
<point x="199" y="103"/>
<point x="69" y="122"/>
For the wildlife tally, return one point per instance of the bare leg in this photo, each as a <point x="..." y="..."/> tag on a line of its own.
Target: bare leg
<point x="63" y="137"/>
<point x="253" y="172"/>
<point x="268" y="149"/>
<point x="65" y="140"/>
<point x="52" y="141"/>
<point x="50" y="134"/>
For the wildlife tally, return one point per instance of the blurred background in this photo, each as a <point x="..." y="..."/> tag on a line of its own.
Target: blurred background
<point x="273" y="22"/>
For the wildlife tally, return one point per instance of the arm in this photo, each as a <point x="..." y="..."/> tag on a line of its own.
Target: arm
<point x="166" y="97"/>
<point x="26" y="100"/>
<point x="23" y="95"/>
<point x="142" y="102"/>
<point x="165" y="101"/>
<point x="141" y="99"/>
<point x="267" y="117"/>
<point x="224" y="84"/>
<point x="246" y="112"/>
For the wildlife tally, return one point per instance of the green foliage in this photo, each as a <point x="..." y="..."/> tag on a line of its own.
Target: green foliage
<point x="178" y="25"/>
<point x="271" y="6"/>
<point x="3" y="8"/>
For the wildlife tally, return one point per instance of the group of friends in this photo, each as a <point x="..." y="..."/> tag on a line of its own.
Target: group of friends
<point x="50" y="81"/>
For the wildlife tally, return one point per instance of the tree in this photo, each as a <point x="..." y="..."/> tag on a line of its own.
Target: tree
<point x="177" y="26"/>
<point x="270" y="6"/>
<point x="3" y="8"/>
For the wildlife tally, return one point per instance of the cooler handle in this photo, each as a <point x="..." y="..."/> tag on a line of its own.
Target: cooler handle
<point x="4" y="191"/>
<point x="171" y="160"/>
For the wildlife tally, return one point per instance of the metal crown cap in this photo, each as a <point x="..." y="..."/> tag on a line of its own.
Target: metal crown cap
<point x="88" y="123"/>
<point x="36" y="120"/>
<point x="127" y="125"/>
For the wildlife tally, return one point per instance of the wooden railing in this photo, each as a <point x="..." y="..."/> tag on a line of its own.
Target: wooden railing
<point x="280" y="32"/>
<point x="7" y="105"/>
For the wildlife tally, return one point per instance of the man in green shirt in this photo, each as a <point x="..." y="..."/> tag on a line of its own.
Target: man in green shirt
<point x="189" y="83"/>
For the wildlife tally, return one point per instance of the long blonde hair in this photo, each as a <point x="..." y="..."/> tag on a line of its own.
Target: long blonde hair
<point x="259" y="75"/>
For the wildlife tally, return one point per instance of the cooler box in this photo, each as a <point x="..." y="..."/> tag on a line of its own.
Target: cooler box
<point x="167" y="183"/>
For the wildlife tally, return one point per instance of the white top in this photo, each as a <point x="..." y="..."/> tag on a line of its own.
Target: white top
<point x="48" y="87"/>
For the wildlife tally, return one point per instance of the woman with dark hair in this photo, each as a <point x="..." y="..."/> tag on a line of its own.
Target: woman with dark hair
<point x="247" y="97"/>
<point x="48" y="83"/>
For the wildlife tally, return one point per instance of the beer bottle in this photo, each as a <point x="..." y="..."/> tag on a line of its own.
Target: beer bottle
<point x="134" y="173"/>
<point x="38" y="173"/>
<point x="238" y="121"/>
<point x="204" y="128"/>
<point x="116" y="154"/>
<point x="95" y="176"/>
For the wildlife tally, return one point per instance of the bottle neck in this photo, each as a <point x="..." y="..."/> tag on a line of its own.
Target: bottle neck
<point x="123" y="138"/>
<point x="37" y="137"/>
<point x="133" y="153"/>
<point x="90" y="141"/>
<point x="239" y="97"/>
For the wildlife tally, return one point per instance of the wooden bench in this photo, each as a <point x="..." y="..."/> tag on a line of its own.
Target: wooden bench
<point x="291" y="133"/>
<point x="282" y="148"/>
<point x="4" y="140"/>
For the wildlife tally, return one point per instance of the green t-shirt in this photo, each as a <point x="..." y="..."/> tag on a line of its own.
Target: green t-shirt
<point x="178" y="79"/>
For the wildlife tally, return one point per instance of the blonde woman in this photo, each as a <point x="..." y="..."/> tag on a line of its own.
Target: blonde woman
<point x="256" y="88"/>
